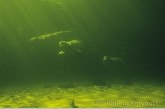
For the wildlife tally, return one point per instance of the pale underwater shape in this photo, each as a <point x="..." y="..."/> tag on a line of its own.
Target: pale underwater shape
<point x="74" y="42"/>
<point x="112" y="62"/>
<point x="115" y="59"/>
<point x="77" y="45"/>
<point x="61" y="52"/>
<point x="49" y="35"/>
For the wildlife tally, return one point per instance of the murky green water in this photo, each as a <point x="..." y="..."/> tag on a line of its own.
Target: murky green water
<point x="109" y="50"/>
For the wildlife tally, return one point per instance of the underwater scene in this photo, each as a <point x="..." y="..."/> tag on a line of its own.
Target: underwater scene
<point x="82" y="53"/>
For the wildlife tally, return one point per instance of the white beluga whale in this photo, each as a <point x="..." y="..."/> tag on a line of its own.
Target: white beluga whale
<point x="45" y="36"/>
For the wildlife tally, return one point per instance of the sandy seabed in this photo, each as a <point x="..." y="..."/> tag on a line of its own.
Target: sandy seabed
<point x="83" y="95"/>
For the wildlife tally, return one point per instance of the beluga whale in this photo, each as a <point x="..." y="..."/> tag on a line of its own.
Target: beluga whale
<point x="45" y="36"/>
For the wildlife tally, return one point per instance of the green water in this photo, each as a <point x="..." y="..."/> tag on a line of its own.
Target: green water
<point x="114" y="44"/>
